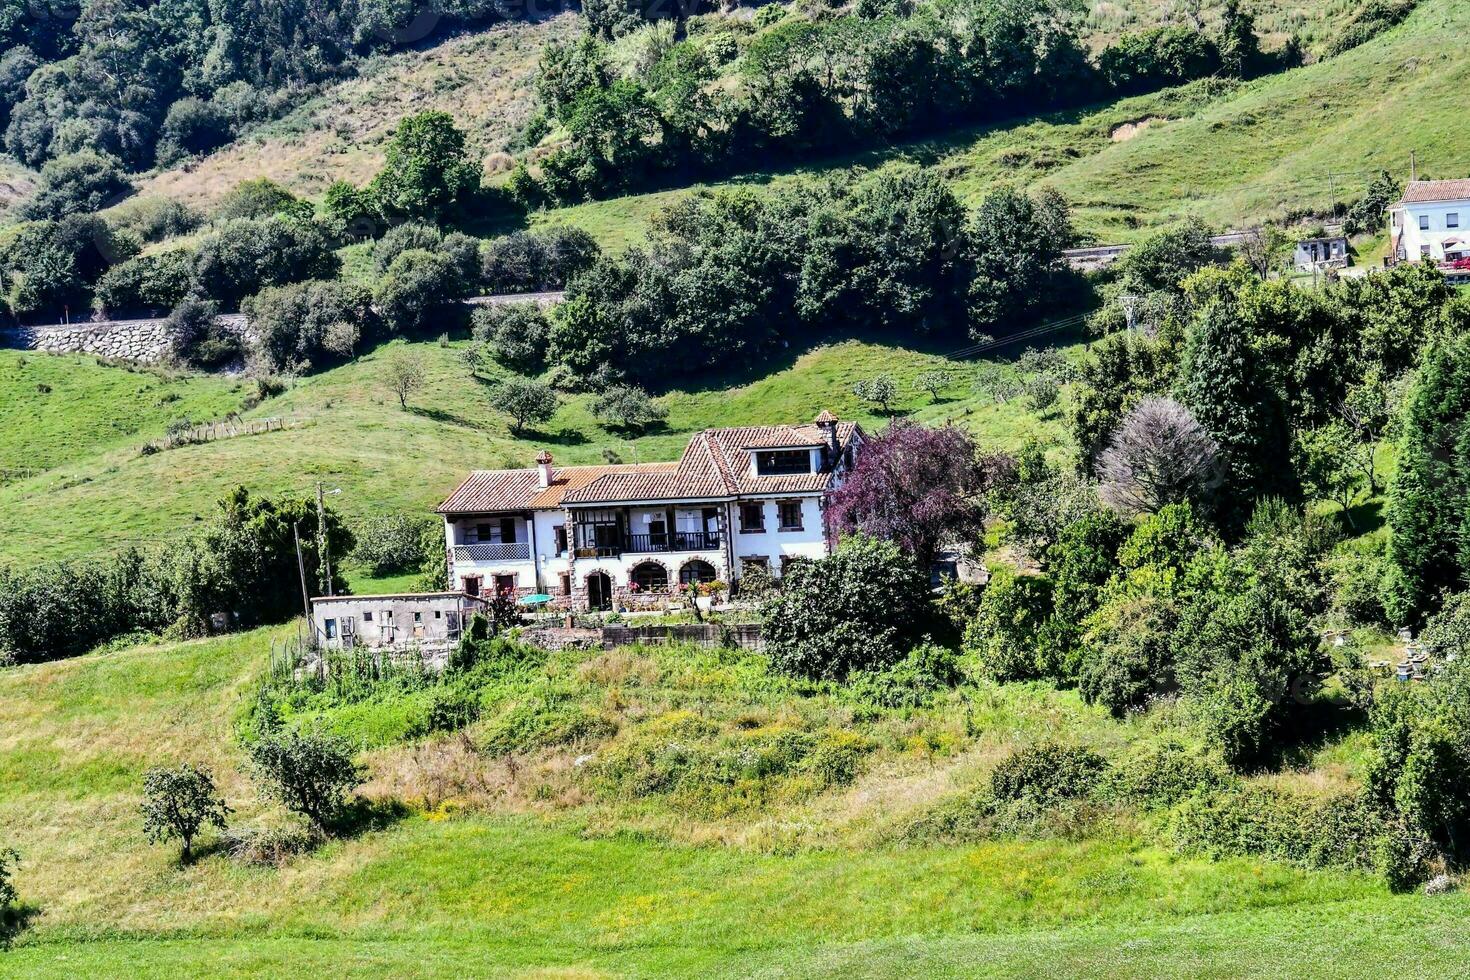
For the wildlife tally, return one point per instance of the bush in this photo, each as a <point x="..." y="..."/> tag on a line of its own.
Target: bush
<point x="1159" y="777"/>
<point x="1127" y="653"/>
<point x="910" y="683"/>
<point x="545" y="722"/>
<point x="243" y="256"/>
<point x="308" y="773"/>
<point x="9" y="860"/>
<point x="259" y="198"/>
<point x="451" y="707"/>
<point x="146" y="283"/>
<point x="516" y="335"/>
<point x="394" y="543"/>
<point x="179" y="803"/>
<point x="308" y="323"/>
<point x="858" y="609"/>
<point x="528" y="262"/>
<point x="1013" y="634"/>
<point x="196" y="338"/>
<point x="79" y="183"/>
<point x="627" y="407"/>
<point x="1046" y="774"/>
<point x="417" y="286"/>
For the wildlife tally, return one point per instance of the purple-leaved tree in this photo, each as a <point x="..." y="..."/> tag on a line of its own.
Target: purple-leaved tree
<point x="916" y="486"/>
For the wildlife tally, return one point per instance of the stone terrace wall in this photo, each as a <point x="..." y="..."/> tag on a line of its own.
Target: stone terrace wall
<point x="144" y="341"/>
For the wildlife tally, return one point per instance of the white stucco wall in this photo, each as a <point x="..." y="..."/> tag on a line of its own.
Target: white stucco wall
<point x="1447" y="221"/>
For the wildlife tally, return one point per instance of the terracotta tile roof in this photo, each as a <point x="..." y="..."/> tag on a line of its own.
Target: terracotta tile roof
<point x="493" y="490"/>
<point x="715" y="464"/>
<point x="1425" y="191"/>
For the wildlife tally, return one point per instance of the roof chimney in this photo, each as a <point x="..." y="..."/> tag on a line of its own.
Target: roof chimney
<point x="543" y="466"/>
<point x="827" y="422"/>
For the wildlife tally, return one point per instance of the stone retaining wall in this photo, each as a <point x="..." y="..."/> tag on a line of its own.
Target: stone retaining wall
<point x="144" y="341"/>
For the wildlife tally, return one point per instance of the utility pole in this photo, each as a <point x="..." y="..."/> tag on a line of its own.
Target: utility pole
<point x="301" y="570"/>
<point x="322" y="551"/>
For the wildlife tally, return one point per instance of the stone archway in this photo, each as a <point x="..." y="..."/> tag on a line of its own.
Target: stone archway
<point x="649" y="576"/>
<point x="697" y="571"/>
<point x="599" y="591"/>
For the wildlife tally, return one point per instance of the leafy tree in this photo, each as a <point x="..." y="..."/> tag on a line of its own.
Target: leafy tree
<point x="881" y="390"/>
<point x="145" y="283"/>
<point x="861" y="608"/>
<point x="1015" y="246"/>
<point x="309" y="773"/>
<point x="48" y="265"/>
<point x="300" y="323"/>
<point x="1234" y="397"/>
<point x="9" y="861"/>
<point x="349" y="213"/>
<point x="78" y="183"/>
<point x="419" y="235"/>
<point x="1427" y="513"/>
<point x="427" y="171"/>
<point x="179" y="803"/>
<point x="243" y="256"/>
<point x="260" y="198"/>
<point x="532" y="261"/>
<point x="406" y="375"/>
<point x="1328" y="465"/>
<point x="1158" y="57"/>
<point x="916" y="486"/>
<point x="627" y="407"/>
<point x="1013" y="635"/>
<point x="1160" y="455"/>
<point x="515" y="334"/>
<point x="197" y="338"/>
<point x="392" y="543"/>
<point x="1367" y="213"/>
<point x="418" y="286"/>
<point x="193" y="127"/>
<point x="1128" y="653"/>
<point x="526" y="401"/>
<point x="934" y="382"/>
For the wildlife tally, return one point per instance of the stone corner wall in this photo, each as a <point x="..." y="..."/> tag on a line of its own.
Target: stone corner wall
<point x="142" y="341"/>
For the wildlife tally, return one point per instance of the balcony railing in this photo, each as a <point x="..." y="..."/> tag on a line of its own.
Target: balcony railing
<point x="673" y="541"/>
<point x="515" y="551"/>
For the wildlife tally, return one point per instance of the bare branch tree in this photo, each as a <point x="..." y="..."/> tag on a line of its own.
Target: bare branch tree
<point x="1160" y="455"/>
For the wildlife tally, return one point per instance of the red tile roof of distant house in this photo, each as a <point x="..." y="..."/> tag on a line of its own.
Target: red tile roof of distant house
<point x="715" y="464"/>
<point x="1429" y="191"/>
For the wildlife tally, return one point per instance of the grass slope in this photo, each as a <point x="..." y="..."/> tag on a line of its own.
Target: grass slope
<point x="96" y="491"/>
<point x="1226" y="155"/>
<point x="439" y="894"/>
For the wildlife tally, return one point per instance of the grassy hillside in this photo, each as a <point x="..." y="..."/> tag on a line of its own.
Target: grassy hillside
<point x="95" y="490"/>
<point x="1223" y="154"/>
<point x="483" y="79"/>
<point x="528" y="879"/>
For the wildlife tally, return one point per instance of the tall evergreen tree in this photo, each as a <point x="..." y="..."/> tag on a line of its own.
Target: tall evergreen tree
<point x="1428" y="507"/>
<point x="1234" y="395"/>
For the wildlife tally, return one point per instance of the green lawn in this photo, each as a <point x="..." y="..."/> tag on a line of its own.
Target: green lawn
<point x="96" y="491"/>
<point x="571" y="889"/>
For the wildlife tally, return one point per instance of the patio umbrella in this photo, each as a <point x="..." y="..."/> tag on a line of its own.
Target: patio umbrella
<point x="538" y="599"/>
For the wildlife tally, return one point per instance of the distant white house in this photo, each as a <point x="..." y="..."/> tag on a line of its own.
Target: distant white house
<point x="593" y="536"/>
<point x="1432" y="222"/>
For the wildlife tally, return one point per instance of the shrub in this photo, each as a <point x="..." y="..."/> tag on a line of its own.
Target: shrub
<point x="196" y="338"/>
<point x="910" y="683"/>
<point x="451" y="707"/>
<point x="417" y="286"/>
<point x="145" y="283"/>
<point x="301" y="323"/>
<point x="1127" y="653"/>
<point x="1046" y="774"/>
<point x="544" y="722"/>
<point x="9" y="860"/>
<point x="1159" y="777"/>
<point x="627" y="407"/>
<point x="528" y="262"/>
<point x="78" y="183"/>
<point x="1012" y="633"/>
<point x="516" y="335"/>
<point x="308" y="773"/>
<point x="859" y="608"/>
<point x="241" y="257"/>
<point x="394" y="543"/>
<point x="179" y="803"/>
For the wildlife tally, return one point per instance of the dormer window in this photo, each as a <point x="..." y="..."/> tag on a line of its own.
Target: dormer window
<point x="783" y="462"/>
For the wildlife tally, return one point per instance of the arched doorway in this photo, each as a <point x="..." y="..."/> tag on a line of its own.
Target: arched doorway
<point x="650" y="576"/>
<point x="696" y="572"/>
<point x="599" y="591"/>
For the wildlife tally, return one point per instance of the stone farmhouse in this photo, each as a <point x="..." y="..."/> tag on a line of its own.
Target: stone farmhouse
<point x="590" y="536"/>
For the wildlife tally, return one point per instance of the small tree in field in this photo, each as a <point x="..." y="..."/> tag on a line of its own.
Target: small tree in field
<point x="913" y="485"/>
<point x="406" y="375"/>
<point x="179" y="803"/>
<point x="1327" y="461"/>
<point x="627" y="407"/>
<point x="881" y="391"/>
<point x="1160" y="455"/>
<point x="310" y="774"/>
<point x="526" y="401"/>
<point x="8" y="861"/>
<point x="342" y="338"/>
<point x="934" y="382"/>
